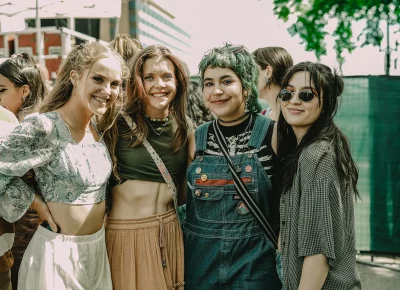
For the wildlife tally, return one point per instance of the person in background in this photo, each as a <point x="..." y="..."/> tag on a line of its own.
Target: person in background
<point x="318" y="183"/>
<point x="196" y="110"/>
<point x="143" y="233"/>
<point x="63" y="144"/>
<point x="225" y="245"/>
<point x="126" y="46"/>
<point x="22" y="89"/>
<point x="273" y="63"/>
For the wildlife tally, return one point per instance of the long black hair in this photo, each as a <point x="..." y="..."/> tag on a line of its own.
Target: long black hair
<point x="330" y="85"/>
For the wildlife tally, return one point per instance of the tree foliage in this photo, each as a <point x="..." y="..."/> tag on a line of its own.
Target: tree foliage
<point x="313" y="15"/>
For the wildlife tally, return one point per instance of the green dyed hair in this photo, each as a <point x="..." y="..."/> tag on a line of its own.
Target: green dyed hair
<point x="242" y="63"/>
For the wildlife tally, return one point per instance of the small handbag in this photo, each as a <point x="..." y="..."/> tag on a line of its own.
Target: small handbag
<point x="242" y="190"/>
<point x="180" y="210"/>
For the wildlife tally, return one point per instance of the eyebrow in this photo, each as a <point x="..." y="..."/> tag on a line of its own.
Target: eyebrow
<point x="221" y="78"/>
<point x="103" y="76"/>
<point x="98" y="74"/>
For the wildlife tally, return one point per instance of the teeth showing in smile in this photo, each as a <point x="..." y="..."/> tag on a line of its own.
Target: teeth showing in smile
<point x="159" y="95"/>
<point x="101" y="100"/>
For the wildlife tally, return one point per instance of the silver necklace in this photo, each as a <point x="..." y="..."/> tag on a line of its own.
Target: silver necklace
<point x="155" y="132"/>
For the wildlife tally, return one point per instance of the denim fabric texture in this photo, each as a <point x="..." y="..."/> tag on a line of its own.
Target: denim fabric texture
<point x="278" y="258"/>
<point x="225" y="247"/>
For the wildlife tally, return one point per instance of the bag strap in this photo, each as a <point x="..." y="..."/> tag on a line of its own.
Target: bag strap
<point x="157" y="160"/>
<point x="242" y="190"/>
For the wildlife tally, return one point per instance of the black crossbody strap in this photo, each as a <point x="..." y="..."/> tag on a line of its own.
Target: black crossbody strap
<point x="242" y="190"/>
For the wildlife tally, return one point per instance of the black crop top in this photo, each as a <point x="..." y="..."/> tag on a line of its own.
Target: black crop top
<point x="135" y="163"/>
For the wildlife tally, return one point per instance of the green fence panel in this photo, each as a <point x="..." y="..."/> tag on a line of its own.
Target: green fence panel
<point x="370" y="117"/>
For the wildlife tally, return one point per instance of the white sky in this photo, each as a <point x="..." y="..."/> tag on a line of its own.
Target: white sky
<point x="252" y="23"/>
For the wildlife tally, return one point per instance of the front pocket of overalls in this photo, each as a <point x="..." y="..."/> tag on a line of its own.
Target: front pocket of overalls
<point x="216" y="200"/>
<point x="208" y="203"/>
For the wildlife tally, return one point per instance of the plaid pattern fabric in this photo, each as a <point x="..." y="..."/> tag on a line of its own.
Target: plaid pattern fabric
<point x="317" y="217"/>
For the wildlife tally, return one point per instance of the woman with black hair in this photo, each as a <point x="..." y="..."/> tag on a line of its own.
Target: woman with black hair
<point x="317" y="180"/>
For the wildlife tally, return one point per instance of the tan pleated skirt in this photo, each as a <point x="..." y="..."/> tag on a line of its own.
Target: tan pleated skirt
<point x="146" y="253"/>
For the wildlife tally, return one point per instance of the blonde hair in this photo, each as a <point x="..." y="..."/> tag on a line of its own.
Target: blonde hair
<point x="126" y="46"/>
<point x="80" y="58"/>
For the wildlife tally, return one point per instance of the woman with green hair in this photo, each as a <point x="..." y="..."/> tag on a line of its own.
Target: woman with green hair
<point x="226" y="243"/>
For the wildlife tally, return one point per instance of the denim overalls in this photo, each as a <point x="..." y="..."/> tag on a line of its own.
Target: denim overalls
<point x="225" y="248"/>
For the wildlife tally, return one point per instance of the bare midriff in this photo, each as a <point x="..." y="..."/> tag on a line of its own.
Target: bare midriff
<point x="78" y="219"/>
<point x="138" y="199"/>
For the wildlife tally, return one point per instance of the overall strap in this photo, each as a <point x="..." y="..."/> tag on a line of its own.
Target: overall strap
<point x="201" y="137"/>
<point x="260" y="129"/>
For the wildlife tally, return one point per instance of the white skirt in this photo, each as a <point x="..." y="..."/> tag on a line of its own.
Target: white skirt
<point x="60" y="262"/>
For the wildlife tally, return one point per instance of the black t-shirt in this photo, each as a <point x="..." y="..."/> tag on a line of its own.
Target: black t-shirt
<point x="237" y="138"/>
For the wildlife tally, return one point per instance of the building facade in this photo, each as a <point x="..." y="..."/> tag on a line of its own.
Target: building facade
<point x="150" y="23"/>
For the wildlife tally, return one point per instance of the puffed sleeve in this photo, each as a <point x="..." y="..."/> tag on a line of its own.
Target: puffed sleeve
<point x="322" y="225"/>
<point x="28" y="146"/>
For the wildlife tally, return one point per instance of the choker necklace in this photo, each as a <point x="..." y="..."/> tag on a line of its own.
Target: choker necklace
<point x="235" y="120"/>
<point x="155" y="130"/>
<point x="163" y="120"/>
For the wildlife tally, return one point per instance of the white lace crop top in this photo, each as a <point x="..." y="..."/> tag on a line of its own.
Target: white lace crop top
<point x="65" y="171"/>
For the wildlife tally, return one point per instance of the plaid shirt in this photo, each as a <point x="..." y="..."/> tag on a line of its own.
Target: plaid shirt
<point x="317" y="217"/>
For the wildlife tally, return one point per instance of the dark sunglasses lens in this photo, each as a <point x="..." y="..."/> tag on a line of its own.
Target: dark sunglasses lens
<point x="285" y="95"/>
<point x="306" y="96"/>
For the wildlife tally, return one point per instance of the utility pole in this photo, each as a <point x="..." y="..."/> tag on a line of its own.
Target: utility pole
<point x="38" y="36"/>
<point x="387" y="54"/>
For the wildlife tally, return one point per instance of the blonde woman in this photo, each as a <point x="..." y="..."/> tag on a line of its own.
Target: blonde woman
<point x="64" y="146"/>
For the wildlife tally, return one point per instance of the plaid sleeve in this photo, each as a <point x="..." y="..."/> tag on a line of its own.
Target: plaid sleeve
<point x="316" y="214"/>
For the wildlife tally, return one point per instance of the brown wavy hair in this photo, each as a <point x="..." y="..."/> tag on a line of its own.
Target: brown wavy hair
<point x="136" y="96"/>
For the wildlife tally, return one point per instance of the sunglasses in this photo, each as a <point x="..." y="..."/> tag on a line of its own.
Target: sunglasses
<point x="304" y="95"/>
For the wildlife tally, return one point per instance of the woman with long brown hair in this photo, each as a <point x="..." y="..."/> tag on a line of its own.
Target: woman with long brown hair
<point x="143" y="234"/>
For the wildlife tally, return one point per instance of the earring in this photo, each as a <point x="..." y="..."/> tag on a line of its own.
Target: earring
<point x="266" y="79"/>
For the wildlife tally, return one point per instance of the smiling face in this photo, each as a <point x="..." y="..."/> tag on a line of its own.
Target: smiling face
<point x="297" y="113"/>
<point x="160" y="85"/>
<point x="223" y="93"/>
<point x="98" y="87"/>
<point x="11" y="97"/>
